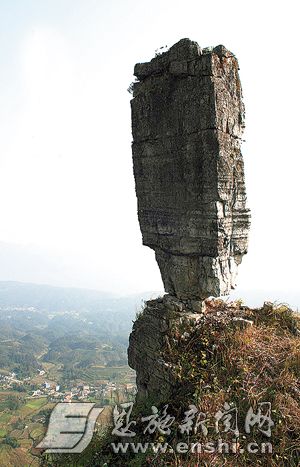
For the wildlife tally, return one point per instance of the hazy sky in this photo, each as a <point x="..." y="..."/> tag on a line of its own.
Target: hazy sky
<point x="66" y="183"/>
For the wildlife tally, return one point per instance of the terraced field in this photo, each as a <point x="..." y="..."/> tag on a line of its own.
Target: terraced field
<point x="122" y="374"/>
<point x="17" y="425"/>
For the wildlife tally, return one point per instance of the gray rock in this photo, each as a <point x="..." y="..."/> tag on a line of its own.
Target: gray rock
<point x="187" y="125"/>
<point x="172" y="303"/>
<point x="157" y="332"/>
<point x="150" y="342"/>
<point x="197" y="306"/>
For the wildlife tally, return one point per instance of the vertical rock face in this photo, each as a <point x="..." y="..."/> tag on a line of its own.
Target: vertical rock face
<point x="187" y="124"/>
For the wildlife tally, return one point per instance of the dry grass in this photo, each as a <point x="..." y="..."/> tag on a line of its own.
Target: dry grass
<point x="217" y="360"/>
<point x="246" y="366"/>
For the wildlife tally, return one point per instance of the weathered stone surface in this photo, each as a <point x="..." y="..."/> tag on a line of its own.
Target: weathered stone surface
<point x="187" y="124"/>
<point x="162" y="324"/>
<point x="147" y="345"/>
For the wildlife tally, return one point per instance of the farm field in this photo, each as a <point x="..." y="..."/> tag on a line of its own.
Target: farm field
<point x="121" y="374"/>
<point x="19" y="433"/>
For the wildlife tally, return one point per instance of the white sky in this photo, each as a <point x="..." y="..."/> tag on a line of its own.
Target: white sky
<point x="66" y="182"/>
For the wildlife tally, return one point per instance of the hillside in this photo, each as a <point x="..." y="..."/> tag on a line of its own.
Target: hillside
<point x="52" y="340"/>
<point x="75" y="328"/>
<point x="222" y="363"/>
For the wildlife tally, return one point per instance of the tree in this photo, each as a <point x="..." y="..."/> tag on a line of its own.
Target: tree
<point x="11" y="441"/>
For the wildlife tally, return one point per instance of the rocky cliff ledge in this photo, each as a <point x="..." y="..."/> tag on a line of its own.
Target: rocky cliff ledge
<point x="165" y="324"/>
<point x="224" y="355"/>
<point x="187" y="124"/>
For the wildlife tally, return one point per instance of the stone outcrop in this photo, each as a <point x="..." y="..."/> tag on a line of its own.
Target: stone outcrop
<point x="163" y="325"/>
<point x="187" y="125"/>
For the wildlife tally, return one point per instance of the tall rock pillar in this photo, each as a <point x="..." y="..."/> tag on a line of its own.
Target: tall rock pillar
<point x="187" y="125"/>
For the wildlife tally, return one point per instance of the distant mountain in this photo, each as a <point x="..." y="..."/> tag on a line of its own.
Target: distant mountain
<point x="50" y="298"/>
<point x="69" y="326"/>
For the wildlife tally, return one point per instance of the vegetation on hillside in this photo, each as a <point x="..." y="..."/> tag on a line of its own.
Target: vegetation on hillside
<point x="75" y="336"/>
<point x="74" y="328"/>
<point x="235" y="355"/>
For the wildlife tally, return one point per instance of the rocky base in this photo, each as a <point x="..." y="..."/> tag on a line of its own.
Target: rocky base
<point x="161" y="325"/>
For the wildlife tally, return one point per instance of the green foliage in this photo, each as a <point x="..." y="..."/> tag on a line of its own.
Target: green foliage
<point x="19" y="424"/>
<point x="12" y="403"/>
<point x="18" y="387"/>
<point x="10" y="441"/>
